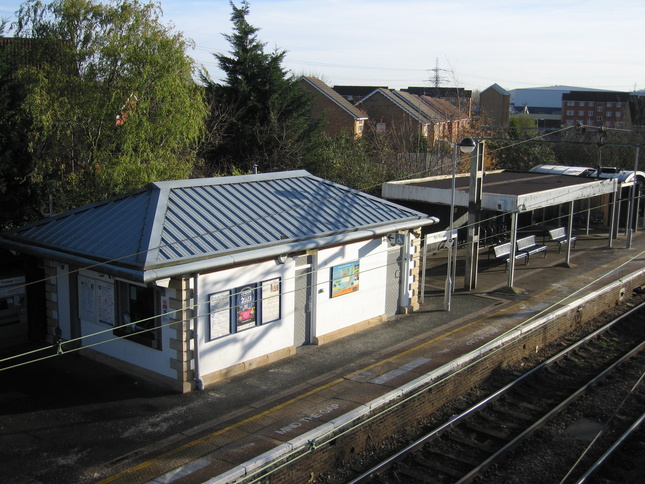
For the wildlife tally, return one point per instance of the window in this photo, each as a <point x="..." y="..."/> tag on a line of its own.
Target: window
<point x="599" y="118"/>
<point x="590" y="103"/>
<point x="571" y="103"/>
<point x="618" y="114"/>
<point x="590" y="113"/>
<point x="244" y="307"/>
<point x="608" y="113"/>
<point x="570" y="112"/>
<point x="610" y="104"/>
<point x="619" y="105"/>
<point x="581" y="113"/>
<point x="581" y="103"/>
<point x="138" y="309"/>
<point x="600" y="109"/>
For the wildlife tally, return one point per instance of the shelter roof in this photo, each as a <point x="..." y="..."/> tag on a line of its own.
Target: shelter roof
<point x="171" y="227"/>
<point x="502" y="190"/>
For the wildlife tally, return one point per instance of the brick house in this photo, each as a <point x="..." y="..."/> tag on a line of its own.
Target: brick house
<point x="495" y="103"/>
<point x="411" y="116"/>
<point x="610" y="109"/>
<point x="340" y="115"/>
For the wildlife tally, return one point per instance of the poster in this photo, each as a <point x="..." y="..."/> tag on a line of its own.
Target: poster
<point x="245" y="307"/>
<point x="105" y="295"/>
<point x="87" y="299"/>
<point x="344" y="279"/>
<point x="165" y="310"/>
<point x="271" y="300"/>
<point x="219" y="311"/>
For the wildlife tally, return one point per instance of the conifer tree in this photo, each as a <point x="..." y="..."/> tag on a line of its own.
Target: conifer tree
<point x="260" y="114"/>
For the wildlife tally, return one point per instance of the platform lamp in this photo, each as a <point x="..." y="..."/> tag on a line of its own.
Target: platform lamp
<point x="466" y="145"/>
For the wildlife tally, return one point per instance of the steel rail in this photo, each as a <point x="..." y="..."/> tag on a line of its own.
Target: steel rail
<point x="400" y="455"/>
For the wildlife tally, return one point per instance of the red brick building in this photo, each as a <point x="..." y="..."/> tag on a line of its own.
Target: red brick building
<point x="596" y="108"/>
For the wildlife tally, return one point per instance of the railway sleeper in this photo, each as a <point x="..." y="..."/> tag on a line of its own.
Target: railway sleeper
<point x="443" y="469"/>
<point x="498" y="434"/>
<point x="410" y="472"/>
<point x="517" y="413"/>
<point x="418" y="459"/>
<point x="500" y="423"/>
<point x="455" y="456"/>
<point x="474" y="443"/>
<point x="534" y="395"/>
<point x="521" y="403"/>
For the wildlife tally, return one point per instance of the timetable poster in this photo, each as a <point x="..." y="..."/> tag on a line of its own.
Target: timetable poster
<point x="219" y="311"/>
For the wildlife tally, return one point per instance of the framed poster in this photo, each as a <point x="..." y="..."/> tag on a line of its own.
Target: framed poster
<point x="87" y="299"/>
<point x="219" y="310"/>
<point x="105" y="294"/>
<point x="344" y="278"/>
<point x="246" y="307"/>
<point x="270" y="300"/>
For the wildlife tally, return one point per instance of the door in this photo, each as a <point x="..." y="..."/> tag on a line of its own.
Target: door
<point x="303" y="298"/>
<point x="392" y="288"/>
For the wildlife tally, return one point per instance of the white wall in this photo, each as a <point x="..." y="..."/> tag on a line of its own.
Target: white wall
<point x="123" y="349"/>
<point x="368" y="302"/>
<point x="228" y="350"/>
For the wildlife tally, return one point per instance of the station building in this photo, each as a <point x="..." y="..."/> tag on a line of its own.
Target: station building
<point x="188" y="282"/>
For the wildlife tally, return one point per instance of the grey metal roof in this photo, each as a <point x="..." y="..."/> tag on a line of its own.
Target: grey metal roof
<point x="177" y="222"/>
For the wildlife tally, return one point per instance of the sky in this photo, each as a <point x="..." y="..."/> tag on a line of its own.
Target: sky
<point x="399" y="43"/>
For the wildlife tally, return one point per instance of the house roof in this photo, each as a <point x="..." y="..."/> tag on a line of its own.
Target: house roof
<point x="496" y="87"/>
<point x="440" y="92"/>
<point x="409" y="103"/>
<point x="343" y="103"/>
<point x="178" y="227"/>
<point x="444" y="108"/>
<point x="600" y="96"/>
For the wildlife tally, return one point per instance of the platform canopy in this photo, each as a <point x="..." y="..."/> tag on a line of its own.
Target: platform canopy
<point x="503" y="190"/>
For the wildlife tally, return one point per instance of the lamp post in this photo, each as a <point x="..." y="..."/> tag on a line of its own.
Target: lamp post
<point x="466" y="145"/>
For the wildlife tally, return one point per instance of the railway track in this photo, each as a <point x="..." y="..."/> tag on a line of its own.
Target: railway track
<point x="481" y="436"/>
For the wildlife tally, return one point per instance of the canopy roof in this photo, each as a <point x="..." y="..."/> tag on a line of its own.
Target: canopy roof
<point x="502" y="190"/>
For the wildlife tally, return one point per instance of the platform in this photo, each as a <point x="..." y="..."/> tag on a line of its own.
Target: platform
<point x="80" y="417"/>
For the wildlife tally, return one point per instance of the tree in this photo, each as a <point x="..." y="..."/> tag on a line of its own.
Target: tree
<point x="524" y="150"/>
<point x="110" y="96"/>
<point x="259" y="114"/>
<point x="17" y="198"/>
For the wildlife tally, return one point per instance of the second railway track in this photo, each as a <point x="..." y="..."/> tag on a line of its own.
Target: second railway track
<point x="478" y="437"/>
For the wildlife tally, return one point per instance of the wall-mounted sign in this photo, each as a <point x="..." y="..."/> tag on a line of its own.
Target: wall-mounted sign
<point x="344" y="278"/>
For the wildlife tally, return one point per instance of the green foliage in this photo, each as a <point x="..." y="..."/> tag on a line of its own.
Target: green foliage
<point x="523" y="151"/>
<point x="111" y="99"/>
<point x="360" y="163"/>
<point x="259" y="114"/>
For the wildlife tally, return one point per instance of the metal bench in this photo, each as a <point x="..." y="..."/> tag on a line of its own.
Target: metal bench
<point x="559" y="235"/>
<point x="503" y="251"/>
<point x="528" y="246"/>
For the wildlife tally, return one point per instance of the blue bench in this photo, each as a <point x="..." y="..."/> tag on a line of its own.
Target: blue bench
<point x="559" y="235"/>
<point x="528" y="246"/>
<point x="503" y="251"/>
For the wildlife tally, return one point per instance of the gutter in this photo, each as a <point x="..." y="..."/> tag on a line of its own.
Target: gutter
<point x="215" y="262"/>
